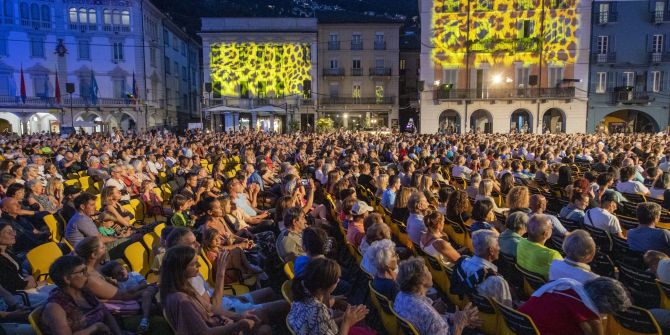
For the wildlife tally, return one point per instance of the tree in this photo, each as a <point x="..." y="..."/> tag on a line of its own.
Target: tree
<point x="324" y="125"/>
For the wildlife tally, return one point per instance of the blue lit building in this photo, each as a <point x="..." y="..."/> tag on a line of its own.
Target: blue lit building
<point x="629" y="79"/>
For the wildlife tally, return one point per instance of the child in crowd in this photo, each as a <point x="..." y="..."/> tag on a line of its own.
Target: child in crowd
<point x="180" y="206"/>
<point x="132" y="281"/>
<point x="107" y="226"/>
<point x="153" y="202"/>
<point x="159" y="253"/>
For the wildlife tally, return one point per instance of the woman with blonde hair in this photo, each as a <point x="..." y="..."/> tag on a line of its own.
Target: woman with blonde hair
<point x="426" y="186"/>
<point x="110" y="197"/>
<point x="518" y="199"/>
<point x="400" y="211"/>
<point x="54" y="190"/>
<point x="484" y="192"/>
<point x="382" y="182"/>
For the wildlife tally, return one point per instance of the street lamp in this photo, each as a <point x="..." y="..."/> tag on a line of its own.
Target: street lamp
<point x="496" y="79"/>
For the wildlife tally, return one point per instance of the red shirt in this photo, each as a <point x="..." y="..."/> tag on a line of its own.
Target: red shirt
<point x="558" y="312"/>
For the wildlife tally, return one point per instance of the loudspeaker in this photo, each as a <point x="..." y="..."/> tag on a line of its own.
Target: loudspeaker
<point x="69" y="88"/>
<point x="208" y="87"/>
<point x="532" y="80"/>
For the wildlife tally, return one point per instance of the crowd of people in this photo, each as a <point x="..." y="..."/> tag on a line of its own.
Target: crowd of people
<point x="264" y="233"/>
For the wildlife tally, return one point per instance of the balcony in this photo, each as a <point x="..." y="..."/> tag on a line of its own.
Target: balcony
<point x="357" y="45"/>
<point x="253" y="102"/>
<point x="358" y="101"/>
<point x="380" y="45"/>
<point x="356" y="72"/>
<point x="83" y="27"/>
<point x="629" y="96"/>
<point x="380" y="71"/>
<point x="505" y="93"/>
<point x="335" y="72"/>
<point x="50" y="102"/>
<point x="603" y="58"/>
<point x="605" y="17"/>
<point x="660" y="16"/>
<point x="659" y="57"/>
<point x="333" y="45"/>
<point x="493" y="45"/>
<point x="116" y="28"/>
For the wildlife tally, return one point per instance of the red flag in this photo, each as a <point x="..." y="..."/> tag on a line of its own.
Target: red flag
<point x="58" y="101"/>
<point x="23" y="87"/>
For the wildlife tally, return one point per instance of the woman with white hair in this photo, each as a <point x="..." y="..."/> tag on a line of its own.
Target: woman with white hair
<point x="383" y="261"/>
<point x="579" y="248"/>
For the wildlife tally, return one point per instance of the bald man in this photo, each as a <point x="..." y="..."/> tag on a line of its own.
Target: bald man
<point x="27" y="236"/>
<point x="531" y="254"/>
<point x="538" y="204"/>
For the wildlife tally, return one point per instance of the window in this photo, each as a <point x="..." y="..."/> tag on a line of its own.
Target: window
<point x="167" y="65"/>
<point x="379" y="37"/>
<point x="657" y="44"/>
<point x="84" y="49"/>
<point x="603" y="12"/>
<point x="184" y="75"/>
<point x="119" y="87"/>
<point x="3" y="46"/>
<point x="41" y="85"/>
<point x="115" y="20"/>
<point x="84" y="87"/>
<point x="556" y="29"/>
<point x="525" y="4"/>
<point x="601" y="46"/>
<point x="601" y="82"/>
<point x="333" y="37"/>
<point x="403" y="64"/>
<point x="334" y="64"/>
<point x="379" y="63"/>
<point x="522" y="75"/>
<point x="356" y="38"/>
<point x="334" y="90"/>
<point x="555" y="76"/>
<point x="356" y="41"/>
<point x="450" y="76"/>
<point x="656" y="80"/>
<point x="183" y="48"/>
<point x="450" y="6"/>
<point x="356" y="64"/>
<point x="175" y="42"/>
<point x="7" y="12"/>
<point x="82" y="19"/>
<point x="117" y="51"/>
<point x="152" y="57"/>
<point x="5" y="82"/>
<point x="24" y="10"/>
<point x="356" y="90"/>
<point x="166" y="36"/>
<point x="484" y="5"/>
<point x="525" y="28"/>
<point x="125" y="18"/>
<point x="379" y="91"/>
<point x="37" y="47"/>
<point x="629" y="79"/>
<point x="176" y="69"/>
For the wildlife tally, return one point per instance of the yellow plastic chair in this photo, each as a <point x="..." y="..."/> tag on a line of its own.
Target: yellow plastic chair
<point x="67" y="244"/>
<point x="515" y="322"/>
<point x="52" y="223"/>
<point x="158" y="229"/>
<point x="664" y="290"/>
<point x="531" y="281"/>
<point x="633" y="321"/>
<point x="34" y="319"/>
<point x="137" y="258"/>
<point x="442" y="279"/>
<point x="286" y="291"/>
<point x="85" y="183"/>
<point x="98" y="202"/>
<point x="406" y="327"/>
<point x="150" y="241"/>
<point x="288" y="270"/>
<point x="41" y="257"/>
<point x="488" y="314"/>
<point x="138" y="209"/>
<point x="384" y="308"/>
<point x="70" y="182"/>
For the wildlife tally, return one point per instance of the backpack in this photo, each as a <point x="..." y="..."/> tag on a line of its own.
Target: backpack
<point x="462" y="284"/>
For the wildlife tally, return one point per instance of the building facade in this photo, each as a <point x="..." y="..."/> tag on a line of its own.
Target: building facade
<point x="358" y="71"/>
<point x="99" y="50"/>
<point x="630" y="68"/>
<point x="260" y="73"/>
<point x="409" y="67"/>
<point x="501" y="66"/>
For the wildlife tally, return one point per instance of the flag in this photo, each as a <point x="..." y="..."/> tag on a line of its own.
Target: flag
<point x="135" y="96"/>
<point x="57" y="94"/>
<point x="93" y="94"/>
<point x="23" y="87"/>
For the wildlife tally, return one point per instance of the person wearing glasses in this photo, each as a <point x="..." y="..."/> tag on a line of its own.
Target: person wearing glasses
<point x="70" y="309"/>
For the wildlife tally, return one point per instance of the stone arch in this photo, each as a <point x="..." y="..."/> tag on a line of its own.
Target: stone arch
<point x="11" y="124"/>
<point x="553" y="121"/>
<point x="122" y="120"/>
<point x="630" y="120"/>
<point x="88" y="116"/>
<point x="450" y="122"/>
<point x="521" y="121"/>
<point x="481" y="121"/>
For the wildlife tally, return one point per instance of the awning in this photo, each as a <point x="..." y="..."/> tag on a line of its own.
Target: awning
<point x="224" y="109"/>
<point x="268" y="109"/>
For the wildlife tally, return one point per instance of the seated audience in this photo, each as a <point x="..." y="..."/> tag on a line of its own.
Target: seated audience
<point x="579" y="248"/>
<point x="603" y="217"/>
<point x="646" y="236"/>
<point x="531" y="254"/>
<point x="517" y="225"/>
<point x="433" y="241"/>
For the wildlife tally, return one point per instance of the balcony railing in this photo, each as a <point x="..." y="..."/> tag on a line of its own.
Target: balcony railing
<point x="358" y="101"/>
<point x="659" y="57"/>
<point x="660" y="16"/>
<point x="380" y="45"/>
<point x="333" y="45"/>
<point x="356" y="72"/>
<point x="606" y="17"/>
<point x="529" y="44"/>
<point x="627" y="95"/>
<point x="333" y="72"/>
<point x="116" y="28"/>
<point x="249" y="103"/>
<point x="511" y="93"/>
<point x="357" y="45"/>
<point x="83" y="27"/>
<point x="50" y="102"/>
<point x="609" y="57"/>
<point x="380" y="71"/>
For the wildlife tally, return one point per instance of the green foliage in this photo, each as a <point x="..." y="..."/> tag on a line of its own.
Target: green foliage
<point x="324" y="125"/>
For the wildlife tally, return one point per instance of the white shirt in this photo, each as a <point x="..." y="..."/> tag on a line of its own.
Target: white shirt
<point x="461" y="171"/>
<point x="657" y="193"/>
<point x="663" y="271"/>
<point x="602" y="219"/>
<point x="632" y="186"/>
<point x="415" y="227"/>
<point x="563" y="268"/>
<point x="119" y="186"/>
